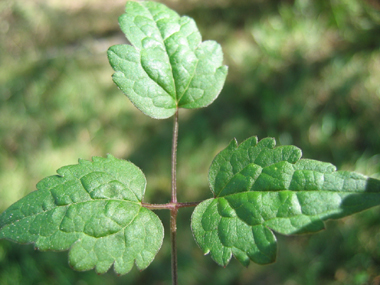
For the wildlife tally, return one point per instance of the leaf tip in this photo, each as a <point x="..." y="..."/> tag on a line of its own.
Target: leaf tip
<point x="81" y="161"/>
<point x="110" y="156"/>
<point x="234" y="143"/>
<point x="206" y="251"/>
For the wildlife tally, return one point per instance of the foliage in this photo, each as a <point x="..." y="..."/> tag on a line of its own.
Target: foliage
<point x="92" y="208"/>
<point x="258" y="188"/>
<point x="331" y="117"/>
<point x="168" y="67"/>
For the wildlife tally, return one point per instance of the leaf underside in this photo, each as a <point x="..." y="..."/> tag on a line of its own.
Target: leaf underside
<point x="259" y="188"/>
<point x="167" y="64"/>
<point x="92" y="208"/>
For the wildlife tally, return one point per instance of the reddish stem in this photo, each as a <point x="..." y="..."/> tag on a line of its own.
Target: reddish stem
<point x="174" y="158"/>
<point x="173" y="206"/>
<point x="173" y="212"/>
<point x="169" y="206"/>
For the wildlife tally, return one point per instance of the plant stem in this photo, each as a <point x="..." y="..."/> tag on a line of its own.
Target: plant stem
<point x="174" y="158"/>
<point x="173" y="235"/>
<point x="173" y="212"/>
<point x="169" y="206"/>
<point x="173" y="206"/>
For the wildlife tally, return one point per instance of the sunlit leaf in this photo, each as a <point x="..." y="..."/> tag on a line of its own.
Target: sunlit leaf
<point x="259" y="188"/>
<point x="167" y="64"/>
<point x="94" y="210"/>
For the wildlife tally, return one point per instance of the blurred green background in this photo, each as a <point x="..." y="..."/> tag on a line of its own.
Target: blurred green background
<point x="305" y="72"/>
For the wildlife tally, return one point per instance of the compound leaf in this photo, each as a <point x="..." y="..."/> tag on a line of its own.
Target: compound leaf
<point x="259" y="188"/>
<point x="167" y="66"/>
<point x="92" y="208"/>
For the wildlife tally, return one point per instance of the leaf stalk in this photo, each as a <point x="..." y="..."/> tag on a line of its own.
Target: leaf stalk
<point x="173" y="212"/>
<point x="169" y="206"/>
<point x="173" y="206"/>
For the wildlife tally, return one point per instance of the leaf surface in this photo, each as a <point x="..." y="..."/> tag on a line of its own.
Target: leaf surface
<point x="259" y="188"/>
<point x="167" y="64"/>
<point x="92" y="208"/>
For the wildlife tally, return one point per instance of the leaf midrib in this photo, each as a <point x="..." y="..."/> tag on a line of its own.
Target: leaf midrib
<point x="297" y="215"/>
<point x="76" y="203"/>
<point x="166" y="52"/>
<point x="294" y="170"/>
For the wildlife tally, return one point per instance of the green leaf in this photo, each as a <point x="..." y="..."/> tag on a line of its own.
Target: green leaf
<point x="92" y="208"/>
<point x="259" y="188"/>
<point x="167" y="64"/>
